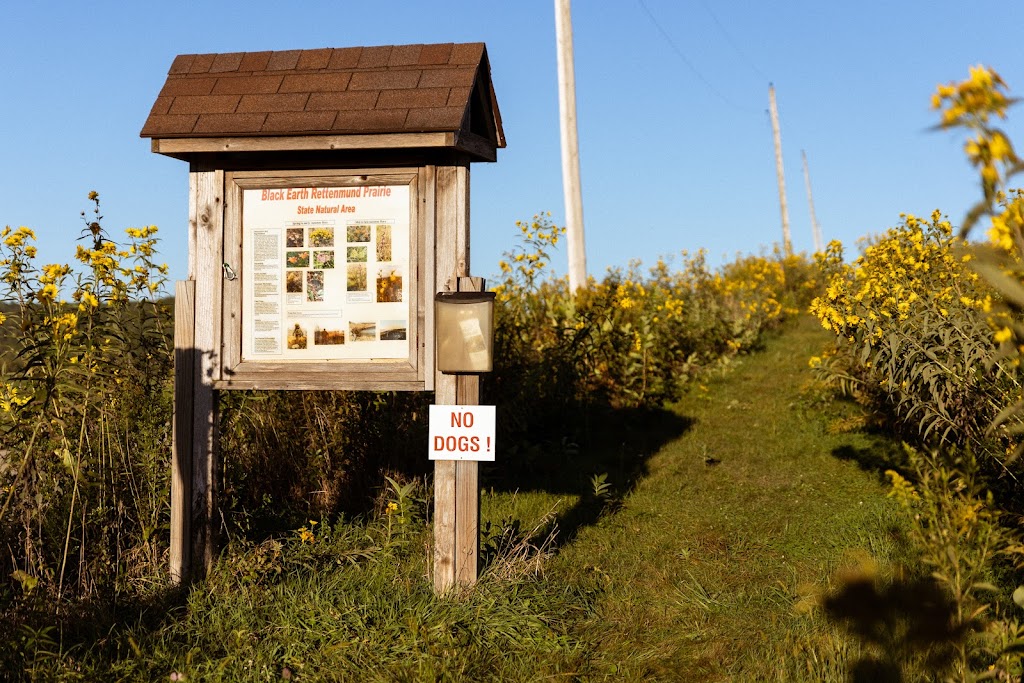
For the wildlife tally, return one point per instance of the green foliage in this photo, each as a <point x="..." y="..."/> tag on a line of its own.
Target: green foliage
<point x="955" y="524"/>
<point x="634" y="339"/>
<point x="703" y="573"/>
<point x="913" y="337"/>
<point x="84" y="428"/>
<point x="600" y="487"/>
<point x="949" y="619"/>
<point x="713" y="566"/>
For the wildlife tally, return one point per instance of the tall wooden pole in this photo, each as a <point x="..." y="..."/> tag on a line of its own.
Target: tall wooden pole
<point x="787" y="245"/>
<point x="570" y="147"/>
<point x="810" y="201"/>
<point x="456" y="483"/>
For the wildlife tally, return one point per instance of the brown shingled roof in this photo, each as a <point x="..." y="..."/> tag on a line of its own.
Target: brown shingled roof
<point x="341" y="91"/>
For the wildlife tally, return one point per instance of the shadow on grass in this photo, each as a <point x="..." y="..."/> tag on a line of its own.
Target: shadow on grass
<point x="36" y="642"/>
<point x="880" y="455"/>
<point x="903" y="624"/>
<point x="613" y="442"/>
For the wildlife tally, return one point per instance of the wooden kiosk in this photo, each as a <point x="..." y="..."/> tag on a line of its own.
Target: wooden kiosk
<point x="328" y="202"/>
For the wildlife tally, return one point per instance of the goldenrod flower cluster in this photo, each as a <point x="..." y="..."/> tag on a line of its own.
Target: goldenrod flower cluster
<point x="902" y="490"/>
<point x="84" y="386"/>
<point x="753" y="285"/>
<point x="979" y="97"/>
<point x="913" y="269"/>
<point x="1007" y="223"/>
<point x="11" y="399"/>
<point x="306" y="533"/>
<point x="913" y="326"/>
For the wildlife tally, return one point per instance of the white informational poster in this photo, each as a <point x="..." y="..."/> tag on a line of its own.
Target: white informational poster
<point x="462" y="432"/>
<point x="325" y="273"/>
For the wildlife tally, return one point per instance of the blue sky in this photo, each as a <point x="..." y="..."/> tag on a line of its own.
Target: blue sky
<point x="672" y="101"/>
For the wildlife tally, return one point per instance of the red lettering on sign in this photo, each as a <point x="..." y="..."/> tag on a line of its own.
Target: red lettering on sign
<point x="459" y="444"/>
<point x="462" y="420"/>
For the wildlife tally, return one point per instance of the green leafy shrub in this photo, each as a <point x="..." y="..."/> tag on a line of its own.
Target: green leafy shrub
<point x="913" y="338"/>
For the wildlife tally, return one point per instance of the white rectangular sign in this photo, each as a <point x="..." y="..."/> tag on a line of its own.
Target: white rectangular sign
<point x="462" y="432"/>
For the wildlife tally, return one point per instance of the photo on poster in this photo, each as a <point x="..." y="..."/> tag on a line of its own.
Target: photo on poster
<point x="321" y="237"/>
<point x="359" y="233"/>
<point x="297" y="259"/>
<point x="389" y="285"/>
<point x="328" y="336"/>
<point x="293" y="282"/>
<point x="323" y="259"/>
<point x="356" y="280"/>
<point x="393" y="330"/>
<point x="363" y="332"/>
<point x="314" y="285"/>
<point x="295" y="237"/>
<point x="297" y="337"/>
<point x="383" y="242"/>
<point x="356" y="255"/>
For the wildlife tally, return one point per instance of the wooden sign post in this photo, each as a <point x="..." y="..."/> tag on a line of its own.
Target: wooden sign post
<point x="328" y="202"/>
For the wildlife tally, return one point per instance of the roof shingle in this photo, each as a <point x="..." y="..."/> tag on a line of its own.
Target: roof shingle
<point x="385" y="89"/>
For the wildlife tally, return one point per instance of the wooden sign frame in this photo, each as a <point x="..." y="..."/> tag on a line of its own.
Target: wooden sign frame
<point x="364" y="373"/>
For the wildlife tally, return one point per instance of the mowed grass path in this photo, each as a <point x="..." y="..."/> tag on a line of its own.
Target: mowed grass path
<point x="713" y="567"/>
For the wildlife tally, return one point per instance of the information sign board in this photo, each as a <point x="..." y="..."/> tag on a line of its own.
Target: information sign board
<point x="324" y="279"/>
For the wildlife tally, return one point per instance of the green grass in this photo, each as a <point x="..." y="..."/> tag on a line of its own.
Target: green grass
<point x="727" y="517"/>
<point x="712" y="566"/>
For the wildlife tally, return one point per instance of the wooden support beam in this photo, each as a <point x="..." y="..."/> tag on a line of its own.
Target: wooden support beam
<point x="456" y="488"/>
<point x="444" y="525"/>
<point x="446" y="265"/>
<point x="181" y="444"/>
<point x="206" y="223"/>
<point x="428" y="256"/>
<point x="177" y="147"/>
<point x="467" y="477"/>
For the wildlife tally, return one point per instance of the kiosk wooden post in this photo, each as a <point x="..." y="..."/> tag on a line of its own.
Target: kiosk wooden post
<point x="343" y="127"/>
<point x="456" y="483"/>
<point x="457" y="487"/>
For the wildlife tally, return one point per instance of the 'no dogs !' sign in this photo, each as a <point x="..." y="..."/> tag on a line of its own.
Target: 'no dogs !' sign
<point x="462" y="433"/>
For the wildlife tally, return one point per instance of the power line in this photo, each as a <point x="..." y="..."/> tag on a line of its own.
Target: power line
<point x="732" y="43"/>
<point x="679" y="53"/>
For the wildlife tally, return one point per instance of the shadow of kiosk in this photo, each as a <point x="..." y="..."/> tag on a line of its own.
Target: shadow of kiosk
<point x="328" y="204"/>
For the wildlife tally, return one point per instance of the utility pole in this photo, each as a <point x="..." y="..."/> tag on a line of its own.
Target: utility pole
<point x="570" y="147"/>
<point x="787" y="245"/>
<point x="810" y="201"/>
